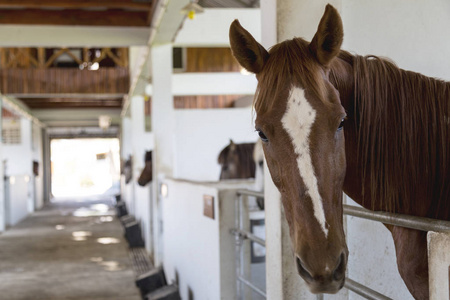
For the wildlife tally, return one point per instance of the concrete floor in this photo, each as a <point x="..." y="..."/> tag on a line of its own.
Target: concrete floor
<point x="68" y="250"/>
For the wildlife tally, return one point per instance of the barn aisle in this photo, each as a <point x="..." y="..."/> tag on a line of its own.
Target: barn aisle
<point x="69" y="250"/>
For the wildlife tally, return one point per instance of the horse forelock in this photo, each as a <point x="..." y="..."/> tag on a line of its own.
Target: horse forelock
<point x="289" y="63"/>
<point x="403" y="137"/>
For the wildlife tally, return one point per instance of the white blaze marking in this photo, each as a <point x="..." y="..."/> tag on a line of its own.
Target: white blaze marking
<point x="297" y="121"/>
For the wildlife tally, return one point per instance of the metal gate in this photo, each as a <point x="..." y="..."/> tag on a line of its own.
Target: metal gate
<point x="424" y="224"/>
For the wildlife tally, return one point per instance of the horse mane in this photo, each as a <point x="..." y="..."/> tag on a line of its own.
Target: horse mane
<point x="403" y="125"/>
<point x="289" y="59"/>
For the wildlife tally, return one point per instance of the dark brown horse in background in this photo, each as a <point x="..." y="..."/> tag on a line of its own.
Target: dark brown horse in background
<point x="243" y="161"/>
<point x="147" y="173"/>
<point x="236" y="161"/>
<point x="331" y="122"/>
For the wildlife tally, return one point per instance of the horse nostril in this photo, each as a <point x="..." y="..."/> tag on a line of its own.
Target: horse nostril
<point x="302" y="271"/>
<point x="261" y="163"/>
<point x="339" y="271"/>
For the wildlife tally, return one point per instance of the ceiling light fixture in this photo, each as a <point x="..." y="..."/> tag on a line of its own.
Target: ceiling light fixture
<point x="191" y="10"/>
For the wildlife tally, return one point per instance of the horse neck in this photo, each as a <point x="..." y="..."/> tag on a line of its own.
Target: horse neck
<point x="425" y="114"/>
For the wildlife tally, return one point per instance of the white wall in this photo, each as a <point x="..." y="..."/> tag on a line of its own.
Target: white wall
<point x="2" y="191"/>
<point x="212" y="26"/>
<point x="141" y="141"/>
<point x="372" y="259"/>
<point x="19" y="167"/>
<point x="19" y="156"/>
<point x="230" y="83"/>
<point x="37" y="149"/>
<point x="126" y="150"/>
<point x="439" y="262"/>
<point x="412" y="33"/>
<point x="201" y="134"/>
<point x="19" y="202"/>
<point x="197" y="249"/>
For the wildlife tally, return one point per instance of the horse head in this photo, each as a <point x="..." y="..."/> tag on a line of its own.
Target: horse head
<point x="147" y="173"/>
<point x="300" y="122"/>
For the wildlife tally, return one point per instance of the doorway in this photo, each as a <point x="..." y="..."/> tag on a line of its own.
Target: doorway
<point x="86" y="167"/>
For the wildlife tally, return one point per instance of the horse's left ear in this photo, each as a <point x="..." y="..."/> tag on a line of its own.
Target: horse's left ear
<point x="327" y="41"/>
<point x="247" y="51"/>
<point x="232" y="145"/>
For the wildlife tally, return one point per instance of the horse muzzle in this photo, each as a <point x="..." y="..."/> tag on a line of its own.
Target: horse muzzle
<point x="328" y="280"/>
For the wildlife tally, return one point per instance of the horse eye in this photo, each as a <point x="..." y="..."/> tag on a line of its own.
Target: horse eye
<point x="341" y="125"/>
<point x="262" y="136"/>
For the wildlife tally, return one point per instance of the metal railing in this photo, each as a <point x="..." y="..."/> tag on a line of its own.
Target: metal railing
<point x="240" y="236"/>
<point x="418" y="223"/>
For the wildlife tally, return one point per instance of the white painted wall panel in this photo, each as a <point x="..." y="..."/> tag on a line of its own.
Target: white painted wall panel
<point x="200" y="136"/>
<point x="213" y="84"/>
<point x="413" y="34"/>
<point x="19" y="156"/>
<point x="211" y="27"/>
<point x="19" y="194"/>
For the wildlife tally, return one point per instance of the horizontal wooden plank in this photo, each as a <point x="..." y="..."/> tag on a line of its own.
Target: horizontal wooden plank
<point x="69" y="103"/>
<point x="202" y="101"/>
<point x="77" y="4"/>
<point x="64" y="81"/>
<point x="211" y="60"/>
<point x="74" y="17"/>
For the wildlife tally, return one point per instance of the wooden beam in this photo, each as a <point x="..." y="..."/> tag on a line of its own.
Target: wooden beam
<point x="78" y="4"/>
<point x="73" y="17"/>
<point x="71" y="103"/>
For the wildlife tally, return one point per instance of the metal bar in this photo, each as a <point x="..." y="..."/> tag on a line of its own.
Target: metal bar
<point x="363" y="290"/>
<point x="251" y="286"/>
<point x="250" y="193"/>
<point x="419" y="223"/>
<point x="238" y="244"/>
<point x="242" y="257"/>
<point x="424" y="224"/>
<point x="247" y="235"/>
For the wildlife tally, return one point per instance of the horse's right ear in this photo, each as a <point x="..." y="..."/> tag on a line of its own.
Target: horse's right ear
<point x="248" y="52"/>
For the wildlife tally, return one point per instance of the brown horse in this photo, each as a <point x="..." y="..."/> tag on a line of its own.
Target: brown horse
<point x="331" y="122"/>
<point x="147" y="173"/>
<point x="236" y="161"/>
<point x="242" y="161"/>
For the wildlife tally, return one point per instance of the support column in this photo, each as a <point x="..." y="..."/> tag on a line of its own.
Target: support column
<point x="163" y="126"/>
<point x="285" y="20"/>
<point x="126" y="152"/>
<point x="439" y="265"/>
<point x="141" y="141"/>
<point x="2" y="191"/>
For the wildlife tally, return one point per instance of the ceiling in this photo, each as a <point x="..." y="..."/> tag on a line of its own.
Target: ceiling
<point x="35" y="67"/>
<point x="57" y="83"/>
<point x="76" y="12"/>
